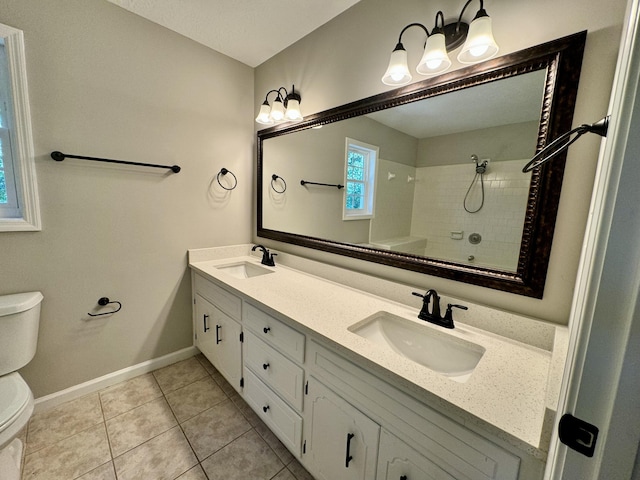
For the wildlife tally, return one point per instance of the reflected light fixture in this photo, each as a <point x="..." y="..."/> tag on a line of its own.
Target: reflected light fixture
<point x="477" y="38"/>
<point x="285" y="107"/>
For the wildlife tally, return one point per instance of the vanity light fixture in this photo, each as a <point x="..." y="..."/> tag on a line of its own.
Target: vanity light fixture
<point x="285" y="107"/>
<point x="477" y="37"/>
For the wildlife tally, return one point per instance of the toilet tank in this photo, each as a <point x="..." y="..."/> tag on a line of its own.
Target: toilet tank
<point x="19" y="321"/>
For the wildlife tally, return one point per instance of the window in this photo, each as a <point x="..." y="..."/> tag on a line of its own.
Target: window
<point x="19" y="208"/>
<point x="8" y="195"/>
<point x="359" y="180"/>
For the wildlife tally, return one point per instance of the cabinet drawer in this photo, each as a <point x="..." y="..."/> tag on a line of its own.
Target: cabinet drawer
<point x="280" y="417"/>
<point x="276" y="370"/>
<point x="225" y="301"/>
<point x="282" y="337"/>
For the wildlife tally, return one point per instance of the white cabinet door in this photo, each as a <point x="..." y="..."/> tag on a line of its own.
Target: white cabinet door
<point x="218" y="338"/>
<point x="398" y="461"/>
<point x="205" y="337"/>
<point x="226" y="333"/>
<point x="341" y="442"/>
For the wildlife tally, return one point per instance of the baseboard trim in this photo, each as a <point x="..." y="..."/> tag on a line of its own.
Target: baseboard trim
<point x="77" y="391"/>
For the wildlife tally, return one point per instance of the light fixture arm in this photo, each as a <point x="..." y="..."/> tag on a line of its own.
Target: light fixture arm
<point x="439" y="29"/>
<point x="283" y="98"/>
<point x="407" y="28"/>
<point x="266" y="97"/>
<point x="481" y="13"/>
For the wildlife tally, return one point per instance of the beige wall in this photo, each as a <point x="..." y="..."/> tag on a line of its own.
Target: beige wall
<point x="344" y="60"/>
<point x="104" y="82"/>
<point x="506" y="142"/>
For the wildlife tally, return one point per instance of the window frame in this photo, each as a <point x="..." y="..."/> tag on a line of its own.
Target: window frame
<point x="371" y="169"/>
<point x="27" y="218"/>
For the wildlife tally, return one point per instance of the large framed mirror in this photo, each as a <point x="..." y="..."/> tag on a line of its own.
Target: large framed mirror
<point x="433" y="172"/>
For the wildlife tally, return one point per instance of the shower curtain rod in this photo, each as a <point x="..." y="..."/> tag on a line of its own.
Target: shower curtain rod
<point x="59" y="156"/>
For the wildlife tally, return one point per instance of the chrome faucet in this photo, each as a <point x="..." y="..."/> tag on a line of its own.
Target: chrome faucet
<point x="267" y="258"/>
<point x="433" y="316"/>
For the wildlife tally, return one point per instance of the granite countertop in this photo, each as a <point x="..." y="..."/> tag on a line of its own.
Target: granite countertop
<point x="508" y="390"/>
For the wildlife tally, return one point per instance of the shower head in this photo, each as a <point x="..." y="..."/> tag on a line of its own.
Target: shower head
<point x="481" y="165"/>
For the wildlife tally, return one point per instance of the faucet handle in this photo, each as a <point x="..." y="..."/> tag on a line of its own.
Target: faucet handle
<point x="448" y="315"/>
<point x="417" y="294"/>
<point x="271" y="262"/>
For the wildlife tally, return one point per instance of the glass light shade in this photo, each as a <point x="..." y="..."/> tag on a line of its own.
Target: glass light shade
<point x="277" y="111"/>
<point x="435" y="58"/>
<point x="264" y="117"/>
<point x="398" y="72"/>
<point x="480" y="44"/>
<point x="293" y="113"/>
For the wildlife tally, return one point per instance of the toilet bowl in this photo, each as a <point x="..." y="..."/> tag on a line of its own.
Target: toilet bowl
<point x="16" y="407"/>
<point x="19" y="322"/>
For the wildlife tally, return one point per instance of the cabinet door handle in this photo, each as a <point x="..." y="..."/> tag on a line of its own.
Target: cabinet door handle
<point x="265" y="366"/>
<point x="218" y="327"/>
<point x="204" y="320"/>
<point x="266" y="329"/>
<point x="265" y="408"/>
<point x="348" y="456"/>
<point x="403" y="477"/>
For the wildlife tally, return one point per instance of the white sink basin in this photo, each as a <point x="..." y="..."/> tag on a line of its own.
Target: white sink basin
<point x="244" y="269"/>
<point x="438" y="351"/>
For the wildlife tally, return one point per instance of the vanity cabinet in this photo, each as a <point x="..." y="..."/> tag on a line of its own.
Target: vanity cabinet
<point x="341" y="442"/>
<point x="440" y="448"/>
<point x="273" y="375"/>
<point x="217" y="333"/>
<point x="340" y="418"/>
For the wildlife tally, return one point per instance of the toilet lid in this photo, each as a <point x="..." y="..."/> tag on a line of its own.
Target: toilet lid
<point x="14" y="396"/>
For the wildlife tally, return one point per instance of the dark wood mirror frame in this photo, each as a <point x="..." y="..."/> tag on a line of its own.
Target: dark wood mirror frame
<point x="562" y="60"/>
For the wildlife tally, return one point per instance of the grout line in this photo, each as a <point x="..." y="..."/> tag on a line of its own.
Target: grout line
<point x="239" y="403"/>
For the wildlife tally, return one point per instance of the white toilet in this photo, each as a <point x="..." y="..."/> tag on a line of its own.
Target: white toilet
<point x="19" y="321"/>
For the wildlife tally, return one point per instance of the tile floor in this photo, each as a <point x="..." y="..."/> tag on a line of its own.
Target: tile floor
<point x="181" y="422"/>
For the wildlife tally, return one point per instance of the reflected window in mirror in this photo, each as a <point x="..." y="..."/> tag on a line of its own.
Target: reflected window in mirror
<point x="359" y="179"/>
<point x="19" y="205"/>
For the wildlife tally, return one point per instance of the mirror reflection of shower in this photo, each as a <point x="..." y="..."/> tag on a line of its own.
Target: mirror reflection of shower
<point x="478" y="179"/>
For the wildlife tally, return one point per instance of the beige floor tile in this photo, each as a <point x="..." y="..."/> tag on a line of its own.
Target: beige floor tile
<point x="214" y="428"/>
<point x="128" y="395"/>
<point x="299" y="472"/>
<point x="69" y="458"/>
<point x="206" y="364"/>
<point x="164" y="457"/>
<point x="187" y="402"/>
<point x="251" y="416"/>
<point x="179" y="374"/>
<point x="196" y="473"/>
<point x="136" y="426"/>
<point x="63" y="421"/>
<point x="247" y="457"/>
<point x="284" y="474"/>
<point x="103" y="472"/>
<point x="224" y="385"/>
<point x="274" y="442"/>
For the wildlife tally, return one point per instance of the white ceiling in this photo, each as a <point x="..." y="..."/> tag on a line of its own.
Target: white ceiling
<point x="508" y="101"/>
<point x="250" y="31"/>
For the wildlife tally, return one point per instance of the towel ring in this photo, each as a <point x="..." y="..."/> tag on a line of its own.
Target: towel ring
<point x="105" y="301"/>
<point x="224" y="171"/>
<point x="275" y="177"/>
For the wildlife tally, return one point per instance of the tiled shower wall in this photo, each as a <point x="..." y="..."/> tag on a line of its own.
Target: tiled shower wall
<point x="438" y="212"/>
